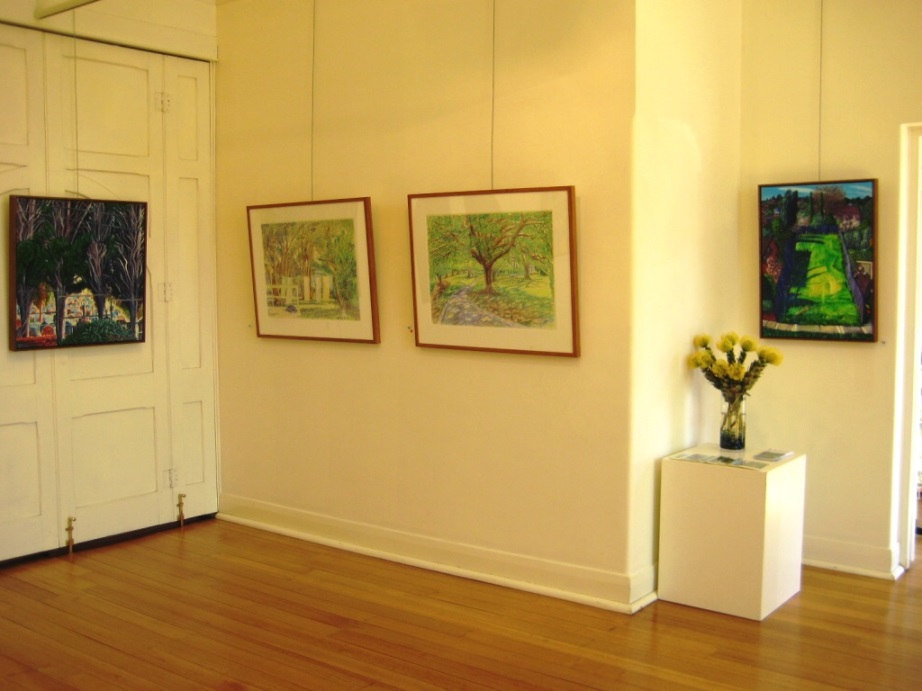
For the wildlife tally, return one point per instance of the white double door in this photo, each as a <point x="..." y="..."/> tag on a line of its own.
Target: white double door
<point x="112" y="436"/>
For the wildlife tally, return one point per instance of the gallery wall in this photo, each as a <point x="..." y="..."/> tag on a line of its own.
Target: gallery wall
<point x="541" y="471"/>
<point x="507" y="466"/>
<point x="536" y="471"/>
<point x="685" y="234"/>
<point x="828" y="106"/>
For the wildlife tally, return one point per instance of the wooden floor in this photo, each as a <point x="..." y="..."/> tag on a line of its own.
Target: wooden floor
<point x="221" y="606"/>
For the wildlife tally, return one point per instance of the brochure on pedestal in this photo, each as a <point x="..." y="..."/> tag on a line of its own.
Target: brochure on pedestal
<point x="762" y="460"/>
<point x="772" y="455"/>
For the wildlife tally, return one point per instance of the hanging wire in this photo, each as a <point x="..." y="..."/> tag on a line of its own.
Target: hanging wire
<point x="76" y="101"/>
<point x="493" y="101"/>
<point x="819" y="117"/>
<point x="312" y="92"/>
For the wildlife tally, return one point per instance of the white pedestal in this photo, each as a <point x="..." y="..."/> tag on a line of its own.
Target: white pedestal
<point x="731" y="538"/>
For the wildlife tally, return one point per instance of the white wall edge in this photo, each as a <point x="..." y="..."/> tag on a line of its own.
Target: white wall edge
<point x="593" y="587"/>
<point x="909" y="344"/>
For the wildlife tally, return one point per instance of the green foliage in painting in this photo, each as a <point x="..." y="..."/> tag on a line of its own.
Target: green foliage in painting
<point x="66" y="250"/>
<point x="102" y="331"/>
<point x="311" y="269"/>
<point x="817" y="260"/>
<point x="494" y="269"/>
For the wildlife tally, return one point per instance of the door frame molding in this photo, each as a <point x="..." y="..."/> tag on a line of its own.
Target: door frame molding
<point x="908" y="393"/>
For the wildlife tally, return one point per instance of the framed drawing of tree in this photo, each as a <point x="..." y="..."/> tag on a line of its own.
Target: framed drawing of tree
<point x="78" y="272"/>
<point x="314" y="270"/>
<point x="496" y="270"/>
<point x="817" y="250"/>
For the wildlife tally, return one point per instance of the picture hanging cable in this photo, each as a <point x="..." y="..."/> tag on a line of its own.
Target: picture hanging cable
<point x="310" y="142"/>
<point x="819" y="116"/>
<point x="76" y="104"/>
<point x="493" y="100"/>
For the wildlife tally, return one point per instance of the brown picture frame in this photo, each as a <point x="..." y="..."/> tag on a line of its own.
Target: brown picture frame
<point x="313" y="270"/>
<point x="496" y="270"/>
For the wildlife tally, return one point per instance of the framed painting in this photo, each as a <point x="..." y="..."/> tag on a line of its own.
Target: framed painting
<point x="817" y="260"/>
<point x="496" y="270"/>
<point x="314" y="270"/>
<point x="78" y="272"/>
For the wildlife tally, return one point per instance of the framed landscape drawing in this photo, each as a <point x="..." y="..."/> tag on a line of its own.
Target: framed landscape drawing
<point x="496" y="270"/>
<point x="78" y="272"/>
<point x="817" y="250"/>
<point x="314" y="270"/>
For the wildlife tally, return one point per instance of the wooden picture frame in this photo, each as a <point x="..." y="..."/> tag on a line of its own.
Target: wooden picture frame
<point x="496" y="270"/>
<point x="78" y="272"/>
<point x="817" y="260"/>
<point x="314" y="270"/>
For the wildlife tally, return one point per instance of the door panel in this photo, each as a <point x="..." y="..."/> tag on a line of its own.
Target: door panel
<point x="115" y="104"/>
<point x="197" y="453"/>
<point x="21" y="495"/>
<point x="112" y="402"/>
<point x="190" y="274"/>
<point x="111" y="434"/>
<point x="114" y="455"/>
<point x="28" y="493"/>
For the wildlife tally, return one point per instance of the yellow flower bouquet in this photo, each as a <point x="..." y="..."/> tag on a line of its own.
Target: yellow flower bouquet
<point x="733" y="377"/>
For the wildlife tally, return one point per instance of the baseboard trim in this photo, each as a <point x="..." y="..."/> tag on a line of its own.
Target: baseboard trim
<point x="851" y="557"/>
<point x="843" y="568"/>
<point x="574" y="583"/>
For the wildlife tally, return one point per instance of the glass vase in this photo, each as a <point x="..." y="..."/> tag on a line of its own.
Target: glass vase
<point x="733" y="423"/>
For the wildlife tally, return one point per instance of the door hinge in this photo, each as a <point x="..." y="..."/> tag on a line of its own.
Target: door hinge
<point x="166" y="292"/>
<point x="164" y="101"/>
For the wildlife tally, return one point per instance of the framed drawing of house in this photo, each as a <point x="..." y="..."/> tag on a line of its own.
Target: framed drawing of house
<point x="314" y="270"/>
<point x="78" y="272"/>
<point x="817" y="260"/>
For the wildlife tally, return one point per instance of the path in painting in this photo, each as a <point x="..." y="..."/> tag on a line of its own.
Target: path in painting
<point x="820" y="287"/>
<point x="461" y="311"/>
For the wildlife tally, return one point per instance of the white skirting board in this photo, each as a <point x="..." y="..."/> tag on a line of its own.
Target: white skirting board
<point x="606" y="590"/>
<point x="851" y="557"/>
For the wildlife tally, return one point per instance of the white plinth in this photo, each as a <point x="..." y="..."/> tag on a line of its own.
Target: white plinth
<point x="731" y="538"/>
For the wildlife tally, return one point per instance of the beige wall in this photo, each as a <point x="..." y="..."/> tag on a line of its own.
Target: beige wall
<point x="827" y="86"/>
<point x="685" y="231"/>
<point x="510" y="466"/>
<point x="666" y="116"/>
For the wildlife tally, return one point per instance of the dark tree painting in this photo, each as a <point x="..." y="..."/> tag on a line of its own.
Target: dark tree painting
<point x="77" y="272"/>
<point x="817" y="260"/>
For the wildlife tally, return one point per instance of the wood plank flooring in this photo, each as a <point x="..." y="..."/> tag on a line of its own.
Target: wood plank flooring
<point x="217" y="605"/>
